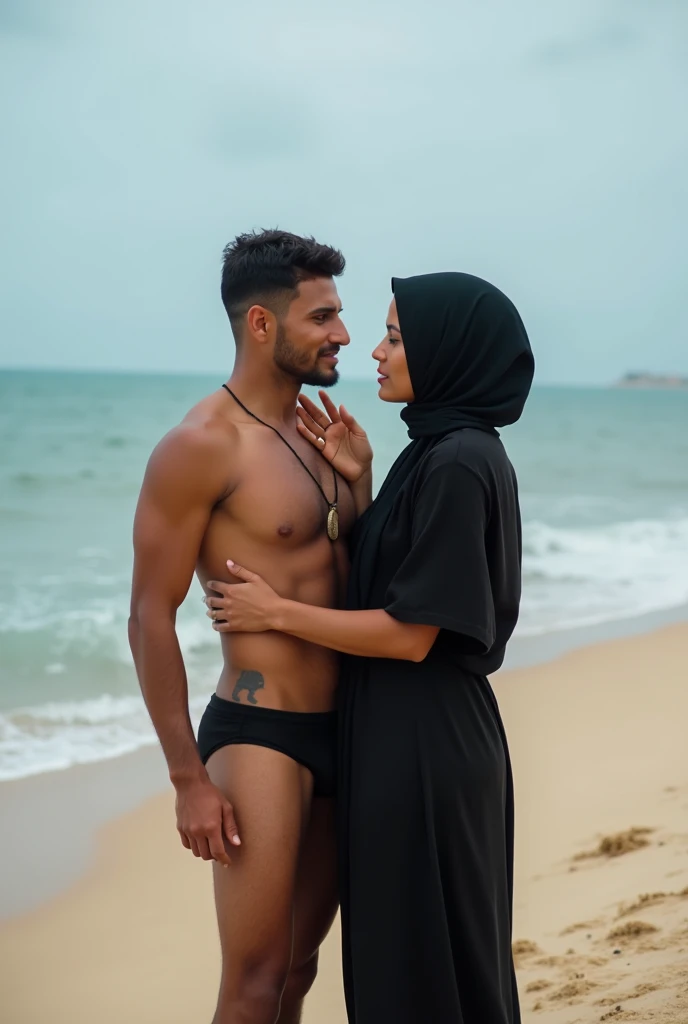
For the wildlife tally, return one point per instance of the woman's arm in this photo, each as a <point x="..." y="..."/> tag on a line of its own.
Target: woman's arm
<point x="254" y="607"/>
<point x="362" y="492"/>
<point x="369" y="634"/>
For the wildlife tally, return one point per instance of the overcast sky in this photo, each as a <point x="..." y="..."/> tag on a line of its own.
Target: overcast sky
<point x="543" y="145"/>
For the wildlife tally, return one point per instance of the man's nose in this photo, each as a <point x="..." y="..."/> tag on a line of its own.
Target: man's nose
<point x="341" y="334"/>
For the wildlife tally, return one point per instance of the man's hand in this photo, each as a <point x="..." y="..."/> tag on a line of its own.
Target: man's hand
<point x="249" y="608"/>
<point x="204" y="819"/>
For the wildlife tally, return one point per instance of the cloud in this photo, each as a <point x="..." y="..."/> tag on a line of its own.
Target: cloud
<point x="607" y="39"/>
<point x="33" y="18"/>
<point x="541" y="146"/>
<point x="258" y="127"/>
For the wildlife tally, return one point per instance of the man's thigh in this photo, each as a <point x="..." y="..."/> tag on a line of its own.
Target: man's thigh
<point x="315" y="897"/>
<point x="254" y="897"/>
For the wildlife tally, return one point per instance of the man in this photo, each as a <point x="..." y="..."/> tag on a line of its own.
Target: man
<point x="237" y="478"/>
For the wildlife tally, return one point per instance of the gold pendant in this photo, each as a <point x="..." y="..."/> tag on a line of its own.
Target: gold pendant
<point x="333" y="523"/>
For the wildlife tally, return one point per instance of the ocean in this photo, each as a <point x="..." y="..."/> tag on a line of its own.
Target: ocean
<point x="604" y="494"/>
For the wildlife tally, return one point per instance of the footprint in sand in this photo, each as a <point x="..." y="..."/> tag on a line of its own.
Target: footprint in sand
<point x="538" y="986"/>
<point x="651" y="899"/>
<point x="572" y="991"/>
<point x="631" y="930"/>
<point x="618" y="1013"/>
<point x="617" y="844"/>
<point x="637" y="962"/>
<point x="523" y="949"/>
<point x="636" y="993"/>
<point x="582" y="926"/>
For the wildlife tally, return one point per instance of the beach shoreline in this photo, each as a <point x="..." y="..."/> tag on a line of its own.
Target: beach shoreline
<point x="59" y="815"/>
<point x="101" y="791"/>
<point x="596" y="742"/>
<point x="604" y="508"/>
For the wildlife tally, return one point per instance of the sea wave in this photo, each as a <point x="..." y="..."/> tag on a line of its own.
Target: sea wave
<point x="57" y="735"/>
<point x="582" y="576"/>
<point x="573" y="577"/>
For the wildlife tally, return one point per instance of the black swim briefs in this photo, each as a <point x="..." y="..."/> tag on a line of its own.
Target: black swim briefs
<point x="310" y="738"/>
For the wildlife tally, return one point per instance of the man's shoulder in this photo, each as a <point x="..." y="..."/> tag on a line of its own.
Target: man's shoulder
<point x="202" y="432"/>
<point x="197" y="447"/>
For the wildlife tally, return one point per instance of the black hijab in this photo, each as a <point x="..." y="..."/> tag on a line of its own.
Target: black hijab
<point x="468" y="354"/>
<point x="470" y="364"/>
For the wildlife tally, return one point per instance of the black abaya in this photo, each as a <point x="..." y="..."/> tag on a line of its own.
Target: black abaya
<point x="426" y="800"/>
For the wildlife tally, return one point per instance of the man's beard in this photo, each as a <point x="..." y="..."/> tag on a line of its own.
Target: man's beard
<point x="288" y="358"/>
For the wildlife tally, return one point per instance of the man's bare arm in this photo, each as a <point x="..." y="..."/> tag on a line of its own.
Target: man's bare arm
<point x="185" y="478"/>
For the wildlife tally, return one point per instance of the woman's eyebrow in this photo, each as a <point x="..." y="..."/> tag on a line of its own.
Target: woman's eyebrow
<point x="393" y="327"/>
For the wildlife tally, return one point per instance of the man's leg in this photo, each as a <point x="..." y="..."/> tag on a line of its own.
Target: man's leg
<point x="254" y="897"/>
<point x="315" y="906"/>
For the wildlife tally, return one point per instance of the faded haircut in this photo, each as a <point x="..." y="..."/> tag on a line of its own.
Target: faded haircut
<point x="266" y="267"/>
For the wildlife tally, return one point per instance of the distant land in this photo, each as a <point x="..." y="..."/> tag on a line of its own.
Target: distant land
<point x="653" y="380"/>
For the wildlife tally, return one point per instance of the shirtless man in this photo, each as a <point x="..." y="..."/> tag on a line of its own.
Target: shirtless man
<point x="255" y="794"/>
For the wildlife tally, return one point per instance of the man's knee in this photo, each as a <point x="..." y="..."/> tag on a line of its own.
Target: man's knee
<point x="252" y="994"/>
<point x="300" y="979"/>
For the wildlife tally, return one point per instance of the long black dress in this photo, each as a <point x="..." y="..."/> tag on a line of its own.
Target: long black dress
<point x="426" y="799"/>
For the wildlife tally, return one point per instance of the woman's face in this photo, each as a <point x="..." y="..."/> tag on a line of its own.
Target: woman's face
<point x="394" y="379"/>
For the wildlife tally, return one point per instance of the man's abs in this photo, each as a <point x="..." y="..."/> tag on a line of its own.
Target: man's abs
<point x="295" y="556"/>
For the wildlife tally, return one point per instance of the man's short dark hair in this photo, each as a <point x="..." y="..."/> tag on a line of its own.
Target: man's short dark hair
<point x="266" y="267"/>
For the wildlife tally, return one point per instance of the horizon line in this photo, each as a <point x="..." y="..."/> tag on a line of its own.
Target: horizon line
<point x="131" y="372"/>
<point x="128" y="372"/>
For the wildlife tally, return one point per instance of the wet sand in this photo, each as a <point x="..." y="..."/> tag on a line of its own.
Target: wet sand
<point x="601" y="908"/>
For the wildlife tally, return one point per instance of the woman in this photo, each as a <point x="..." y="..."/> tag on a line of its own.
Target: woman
<point x="425" y="792"/>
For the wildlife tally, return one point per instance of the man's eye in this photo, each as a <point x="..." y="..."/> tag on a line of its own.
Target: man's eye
<point x="320" y="319"/>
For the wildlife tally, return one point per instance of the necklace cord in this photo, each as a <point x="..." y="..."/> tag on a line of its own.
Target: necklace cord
<point x="330" y="504"/>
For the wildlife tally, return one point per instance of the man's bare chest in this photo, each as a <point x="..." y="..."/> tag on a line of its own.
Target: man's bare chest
<point x="277" y="495"/>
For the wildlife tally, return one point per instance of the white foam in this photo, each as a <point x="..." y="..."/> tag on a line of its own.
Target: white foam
<point x="96" y="622"/>
<point x="583" y="576"/>
<point x="572" y="577"/>
<point x="57" y="735"/>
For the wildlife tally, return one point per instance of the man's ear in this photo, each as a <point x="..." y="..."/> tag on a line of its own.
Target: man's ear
<point x="259" y="323"/>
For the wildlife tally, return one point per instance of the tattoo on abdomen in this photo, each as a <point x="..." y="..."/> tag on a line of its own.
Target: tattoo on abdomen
<point x="250" y="681"/>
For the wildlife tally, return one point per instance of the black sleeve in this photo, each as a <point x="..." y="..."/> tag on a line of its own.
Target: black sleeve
<point x="444" y="579"/>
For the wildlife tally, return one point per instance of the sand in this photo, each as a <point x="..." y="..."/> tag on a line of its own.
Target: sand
<point x="600" y="757"/>
<point x="601" y="909"/>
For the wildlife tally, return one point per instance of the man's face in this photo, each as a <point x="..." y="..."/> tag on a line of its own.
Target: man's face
<point x="310" y="334"/>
